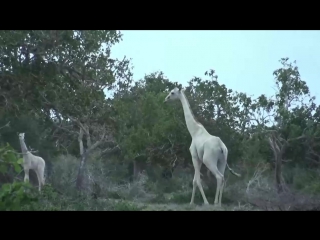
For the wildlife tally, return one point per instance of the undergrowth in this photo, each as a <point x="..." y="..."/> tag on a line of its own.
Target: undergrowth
<point x="108" y="188"/>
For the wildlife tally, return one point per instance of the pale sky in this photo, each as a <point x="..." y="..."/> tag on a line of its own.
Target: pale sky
<point x="243" y="60"/>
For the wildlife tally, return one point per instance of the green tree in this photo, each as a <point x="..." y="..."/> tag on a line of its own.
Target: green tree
<point x="148" y="130"/>
<point x="294" y="125"/>
<point x="60" y="76"/>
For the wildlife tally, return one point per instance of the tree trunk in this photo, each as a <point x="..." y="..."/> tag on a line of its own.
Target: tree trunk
<point x="80" y="177"/>
<point x="84" y="155"/>
<point x="136" y="169"/>
<point x="89" y="143"/>
<point x="278" y="151"/>
<point x="278" y="174"/>
<point x="80" y="137"/>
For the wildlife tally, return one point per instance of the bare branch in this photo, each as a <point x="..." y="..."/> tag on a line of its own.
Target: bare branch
<point x="109" y="150"/>
<point x="7" y="125"/>
<point x="260" y="168"/>
<point x="97" y="143"/>
<point x="6" y="100"/>
<point x="88" y="136"/>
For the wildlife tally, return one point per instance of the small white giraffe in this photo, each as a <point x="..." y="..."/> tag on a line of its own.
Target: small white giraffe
<point x="31" y="161"/>
<point x="204" y="148"/>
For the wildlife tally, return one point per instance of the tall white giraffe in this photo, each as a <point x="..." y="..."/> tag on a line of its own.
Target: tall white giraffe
<point x="204" y="148"/>
<point x="31" y="161"/>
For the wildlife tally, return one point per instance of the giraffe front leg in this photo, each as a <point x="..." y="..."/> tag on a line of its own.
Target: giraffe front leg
<point x="196" y="180"/>
<point x="194" y="187"/>
<point x="39" y="179"/>
<point x="26" y="175"/>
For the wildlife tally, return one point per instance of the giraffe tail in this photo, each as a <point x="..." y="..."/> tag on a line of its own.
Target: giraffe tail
<point x="233" y="172"/>
<point x="224" y="151"/>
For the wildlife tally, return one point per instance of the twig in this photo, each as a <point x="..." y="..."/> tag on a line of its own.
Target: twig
<point x="256" y="175"/>
<point x="7" y="125"/>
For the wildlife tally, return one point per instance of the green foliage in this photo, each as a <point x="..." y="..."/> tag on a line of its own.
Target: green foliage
<point x="51" y="75"/>
<point x="9" y="158"/>
<point x="37" y="135"/>
<point x="146" y="126"/>
<point x="48" y="74"/>
<point x="304" y="180"/>
<point x="17" y="196"/>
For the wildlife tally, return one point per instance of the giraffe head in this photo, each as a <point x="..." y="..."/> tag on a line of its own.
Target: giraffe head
<point x="174" y="94"/>
<point x="21" y="136"/>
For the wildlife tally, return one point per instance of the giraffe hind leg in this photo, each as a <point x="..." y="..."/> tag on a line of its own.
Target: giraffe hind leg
<point x="211" y="160"/>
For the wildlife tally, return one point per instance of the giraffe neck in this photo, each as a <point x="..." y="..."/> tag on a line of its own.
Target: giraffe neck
<point x="192" y="125"/>
<point x="24" y="148"/>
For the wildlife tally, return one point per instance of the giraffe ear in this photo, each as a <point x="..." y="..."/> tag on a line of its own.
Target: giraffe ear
<point x="180" y="87"/>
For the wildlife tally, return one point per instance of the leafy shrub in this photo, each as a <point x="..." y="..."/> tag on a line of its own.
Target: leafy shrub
<point x="18" y="196"/>
<point x="9" y="158"/>
<point x="303" y="179"/>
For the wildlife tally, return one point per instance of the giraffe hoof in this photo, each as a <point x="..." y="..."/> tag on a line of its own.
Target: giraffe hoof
<point x="206" y="203"/>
